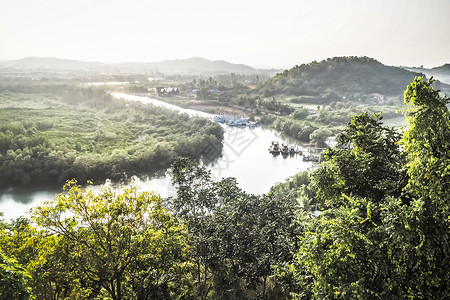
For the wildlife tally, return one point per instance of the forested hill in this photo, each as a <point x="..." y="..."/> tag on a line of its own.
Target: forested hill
<point x="342" y="75"/>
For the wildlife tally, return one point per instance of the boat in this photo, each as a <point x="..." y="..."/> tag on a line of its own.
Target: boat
<point x="284" y="149"/>
<point x="274" y="148"/>
<point x="219" y="118"/>
<point x="293" y="150"/>
<point x="237" y="122"/>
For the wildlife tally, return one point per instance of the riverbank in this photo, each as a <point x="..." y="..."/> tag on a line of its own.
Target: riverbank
<point x="207" y="106"/>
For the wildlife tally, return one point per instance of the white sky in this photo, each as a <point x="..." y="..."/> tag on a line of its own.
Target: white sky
<point x="259" y="33"/>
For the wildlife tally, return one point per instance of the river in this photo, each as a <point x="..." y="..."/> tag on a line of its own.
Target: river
<point x="245" y="157"/>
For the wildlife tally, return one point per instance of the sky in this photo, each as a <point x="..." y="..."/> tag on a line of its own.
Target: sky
<point x="259" y="33"/>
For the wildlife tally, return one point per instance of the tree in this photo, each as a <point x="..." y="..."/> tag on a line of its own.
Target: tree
<point x="319" y="136"/>
<point x="235" y="237"/>
<point x="427" y="143"/>
<point x="123" y="246"/>
<point x="13" y="280"/>
<point x="203" y="93"/>
<point x="300" y="114"/>
<point x="384" y="229"/>
<point x="367" y="162"/>
<point x="33" y="250"/>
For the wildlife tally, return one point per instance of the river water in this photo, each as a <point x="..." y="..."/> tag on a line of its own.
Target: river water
<point x="245" y="157"/>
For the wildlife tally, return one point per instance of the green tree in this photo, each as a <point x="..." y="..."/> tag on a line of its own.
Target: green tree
<point x="235" y="237"/>
<point x="367" y="162"/>
<point x="300" y="114"/>
<point x="123" y="246"/>
<point x="383" y="232"/>
<point x="13" y="280"/>
<point x="319" y="136"/>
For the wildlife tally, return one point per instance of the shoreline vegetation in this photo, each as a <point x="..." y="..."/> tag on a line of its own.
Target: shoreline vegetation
<point x="75" y="132"/>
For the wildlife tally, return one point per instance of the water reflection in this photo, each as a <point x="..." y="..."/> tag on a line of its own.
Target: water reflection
<point x="15" y="202"/>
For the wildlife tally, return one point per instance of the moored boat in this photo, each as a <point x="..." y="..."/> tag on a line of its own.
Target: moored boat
<point x="274" y="148"/>
<point x="237" y="122"/>
<point x="219" y="118"/>
<point x="284" y="149"/>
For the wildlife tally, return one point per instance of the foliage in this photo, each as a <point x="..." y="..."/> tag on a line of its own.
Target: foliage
<point x="328" y="79"/>
<point x="87" y="134"/>
<point x="24" y="243"/>
<point x="13" y="280"/>
<point x="123" y="246"/>
<point x="320" y="136"/>
<point x="427" y="145"/>
<point x="235" y="237"/>
<point x="312" y="125"/>
<point x="367" y="162"/>
<point x="383" y="232"/>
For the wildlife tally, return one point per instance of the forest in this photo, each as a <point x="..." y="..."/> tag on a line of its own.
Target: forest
<point x="371" y="222"/>
<point x="52" y="132"/>
<point x="342" y="75"/>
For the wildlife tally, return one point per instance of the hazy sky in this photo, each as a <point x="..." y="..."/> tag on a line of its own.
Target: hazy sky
<point x="259" y="33"/>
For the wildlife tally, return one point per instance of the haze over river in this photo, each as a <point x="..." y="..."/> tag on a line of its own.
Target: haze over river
<point x="245" y="157"/>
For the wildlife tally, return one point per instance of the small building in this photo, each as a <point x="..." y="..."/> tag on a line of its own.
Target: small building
<point x="172" y="91"/>
<point x="160" y="89"/>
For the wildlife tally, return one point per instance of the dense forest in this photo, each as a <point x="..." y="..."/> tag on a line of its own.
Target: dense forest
<point x="339" y="76"/>
<point x="372" y="222"/>
<point x="52" y="132"/>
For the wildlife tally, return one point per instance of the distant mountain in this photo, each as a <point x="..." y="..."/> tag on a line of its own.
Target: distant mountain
<point x="340" y="76"/>
<point x="194" y="65"/>
<point x="441" y="73"/>
<point x="50" y="64"/>
<point x="445" y="69"/>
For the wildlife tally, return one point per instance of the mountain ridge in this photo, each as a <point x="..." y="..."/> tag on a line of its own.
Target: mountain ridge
<point x="192" y="65"/>
<point x="441" y="73"/>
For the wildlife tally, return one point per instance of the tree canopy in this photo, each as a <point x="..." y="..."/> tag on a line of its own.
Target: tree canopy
<point x="339" y="76"/>
<point x="384" y="229"/>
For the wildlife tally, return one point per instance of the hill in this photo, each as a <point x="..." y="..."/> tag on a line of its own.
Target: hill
<point x="194" y="65"/>
<point x="341" y="76"/>
<point x="441" y="73"/>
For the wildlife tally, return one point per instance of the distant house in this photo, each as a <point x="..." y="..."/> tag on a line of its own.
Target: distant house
<point x="377" y="98"/>
<point x="172" y="91"/>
